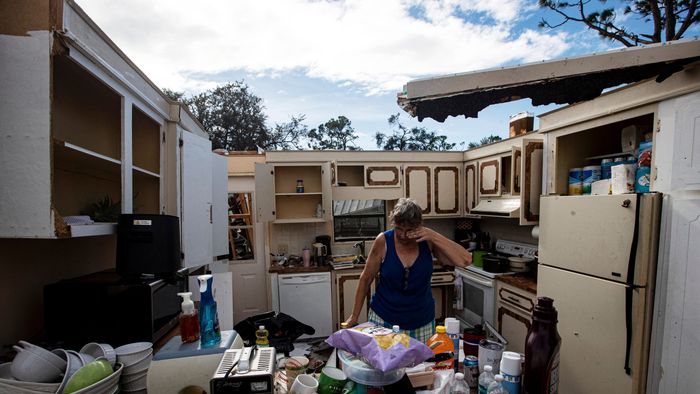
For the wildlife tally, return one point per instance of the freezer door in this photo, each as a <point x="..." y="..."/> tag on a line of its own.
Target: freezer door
<point x="593" y="330"/>
<point x="588" y="234"/>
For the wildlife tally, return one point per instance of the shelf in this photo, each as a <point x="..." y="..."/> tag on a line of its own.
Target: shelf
<point x="240" y="227"/>
<point x="299" y="220"/>
<point x="611" y="156"/>
<point x="145" y="172"/>
<point x="299" y="194"/>
<point x="67" y="152"/>
<point x="90" y="230"/>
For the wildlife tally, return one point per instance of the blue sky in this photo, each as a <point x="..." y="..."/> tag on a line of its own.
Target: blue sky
<point x="328" y="58"/>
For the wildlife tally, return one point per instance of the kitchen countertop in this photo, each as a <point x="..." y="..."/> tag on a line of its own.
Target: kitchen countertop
<point x="276" y="269"/>
<point x="523" y="282"/>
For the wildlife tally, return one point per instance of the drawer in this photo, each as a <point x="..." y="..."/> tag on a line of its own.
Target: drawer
<point x="517" y="298"/>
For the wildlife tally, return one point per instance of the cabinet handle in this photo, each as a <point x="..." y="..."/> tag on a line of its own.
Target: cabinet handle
<point x="517" y="301"/>
<point x="626" y="203"/>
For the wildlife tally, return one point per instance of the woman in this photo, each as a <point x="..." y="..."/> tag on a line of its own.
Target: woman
<point x="403" y="257"/>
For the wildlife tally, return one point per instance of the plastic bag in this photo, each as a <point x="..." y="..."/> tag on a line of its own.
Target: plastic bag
<point x="380" y="347"/>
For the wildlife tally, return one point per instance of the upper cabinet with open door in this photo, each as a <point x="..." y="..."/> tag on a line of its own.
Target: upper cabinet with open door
<point x="471" y="185"/>
<point x="293" y="192"/>
<point x="515" y="170"/>
<point x="531" y="164"/>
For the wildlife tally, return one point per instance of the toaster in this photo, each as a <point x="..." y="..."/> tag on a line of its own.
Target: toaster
<point x="239" y="373"/>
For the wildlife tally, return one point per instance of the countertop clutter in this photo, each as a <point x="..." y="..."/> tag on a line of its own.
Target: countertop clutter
<point x="524" y="282"/>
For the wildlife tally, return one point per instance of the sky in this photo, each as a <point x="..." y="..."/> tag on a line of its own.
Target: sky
<point x="326" y="58"/>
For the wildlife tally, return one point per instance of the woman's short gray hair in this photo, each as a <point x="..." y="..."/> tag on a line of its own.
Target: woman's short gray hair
<point x="407" y="213"/>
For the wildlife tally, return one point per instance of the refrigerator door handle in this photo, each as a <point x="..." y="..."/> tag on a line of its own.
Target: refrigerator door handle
<point x="629" y="289"/>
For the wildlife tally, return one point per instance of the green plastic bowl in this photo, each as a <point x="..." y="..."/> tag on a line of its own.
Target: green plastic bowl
<point x="478" y="258"/>
<point x="88" y="375"/>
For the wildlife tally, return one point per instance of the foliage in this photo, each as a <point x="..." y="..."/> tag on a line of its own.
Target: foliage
<point x="410" y="139"/>
<point x="173" y="95"/>
<point x="287" y="136"/>
<point x="670" y="18"/>
<point x="105" y="210"/>
<point x="484" y="141"/>
<point x="335" y="134"/>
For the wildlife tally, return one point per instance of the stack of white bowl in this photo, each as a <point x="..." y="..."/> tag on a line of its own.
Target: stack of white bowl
<point x="136" y="358"/>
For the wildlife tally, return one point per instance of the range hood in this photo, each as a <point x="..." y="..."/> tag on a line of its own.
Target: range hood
<point x="504" y="207"/>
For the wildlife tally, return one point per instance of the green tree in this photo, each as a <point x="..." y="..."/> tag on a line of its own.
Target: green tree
<point x="410" y="139"/>
<point x="484" y="141"/>
<point x="670" y="18"/>
<point x="288" y="136"/>
<point x="173" y="95"/>
<point x="335" y="134"/>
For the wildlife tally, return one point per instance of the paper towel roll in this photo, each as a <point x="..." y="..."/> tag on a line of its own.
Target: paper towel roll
<point x="536" y="232"/>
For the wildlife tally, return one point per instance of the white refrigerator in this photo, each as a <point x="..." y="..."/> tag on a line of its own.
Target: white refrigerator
<point x="597" y="260"/>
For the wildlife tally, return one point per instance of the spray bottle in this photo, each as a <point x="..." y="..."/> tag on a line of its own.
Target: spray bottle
<point x="208" y="318"/>
<point x="189" y="319"/>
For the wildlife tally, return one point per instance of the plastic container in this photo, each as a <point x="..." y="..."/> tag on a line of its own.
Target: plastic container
<point x="300" y="185"/>
<point x="452" y="331"/>
<point x="575" y="181"/>
<point x="541" y="373"/>
<point x="485" y="379"/>
<point x="459" y="386"/>
<point x="496" y="387"/>
<point x="209" y="330"/>
<point x="189" y="319"/>
<point x="261" y="337"/>
<point x="511" y="369"/>
<point x="605" y="166"/>
<point x="590" y="174"/>
<point x="443" y="349"/>
<point x="363" y="373"/>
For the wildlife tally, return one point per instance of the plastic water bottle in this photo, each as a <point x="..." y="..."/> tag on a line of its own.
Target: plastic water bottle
<point x="496" y="387"/>
<point x="261" y="337"/>
<point x="452" y="331"/>
<point x="485" y="379"/>
<point x="396" y="329"/>
<point x="459" y="386"/>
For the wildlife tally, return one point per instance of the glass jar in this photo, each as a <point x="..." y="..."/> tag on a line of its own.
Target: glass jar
<point x="300" y="186"/>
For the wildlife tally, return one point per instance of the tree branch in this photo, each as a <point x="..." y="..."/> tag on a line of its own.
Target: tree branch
<point x="690" y="18"/>
<point x="670" y="19"/>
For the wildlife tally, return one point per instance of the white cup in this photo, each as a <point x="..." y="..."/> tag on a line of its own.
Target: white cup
<point x="304" y="384"/>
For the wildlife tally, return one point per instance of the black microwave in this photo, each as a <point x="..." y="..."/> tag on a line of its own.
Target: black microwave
<point x="107" y="307"/>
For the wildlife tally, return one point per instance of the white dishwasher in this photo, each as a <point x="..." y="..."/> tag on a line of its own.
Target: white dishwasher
<point x="307" y="298"/>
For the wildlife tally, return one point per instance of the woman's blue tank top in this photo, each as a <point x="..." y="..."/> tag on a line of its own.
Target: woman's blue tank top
<point x="403" y="295"/>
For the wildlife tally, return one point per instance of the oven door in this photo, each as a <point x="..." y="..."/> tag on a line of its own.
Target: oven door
<point x="478" y="299"/>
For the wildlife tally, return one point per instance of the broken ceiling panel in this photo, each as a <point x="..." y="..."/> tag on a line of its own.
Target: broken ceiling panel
<point x="564" y="81"/>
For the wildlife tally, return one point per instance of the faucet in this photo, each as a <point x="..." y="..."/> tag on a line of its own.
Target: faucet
<point x="361" y="246"/>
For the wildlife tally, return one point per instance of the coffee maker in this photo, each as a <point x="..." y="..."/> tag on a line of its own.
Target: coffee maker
<point x="326" y="241"/>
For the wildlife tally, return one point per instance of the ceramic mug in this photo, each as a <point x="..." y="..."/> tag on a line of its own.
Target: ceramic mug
<point x="294" y="367"/>
<point x="331" y="381"/>
<point x="304" y="384"/>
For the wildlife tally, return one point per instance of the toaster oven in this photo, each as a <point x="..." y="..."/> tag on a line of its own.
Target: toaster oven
<point x="259" y="377"/>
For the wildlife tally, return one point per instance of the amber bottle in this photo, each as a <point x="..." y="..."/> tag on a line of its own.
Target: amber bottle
<point x="542" y="344"/>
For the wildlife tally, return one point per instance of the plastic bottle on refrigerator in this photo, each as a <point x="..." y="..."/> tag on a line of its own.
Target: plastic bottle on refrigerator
<point x="496" y="387"/>
<point x="485" y="379"/>
<point x="442" y="348"/>
<point x="452" y="331"/>
<point x="261" y="339"/>
<point x="459" y="386"/>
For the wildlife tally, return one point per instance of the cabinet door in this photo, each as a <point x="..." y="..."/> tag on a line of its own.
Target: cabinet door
<point x="687" y="131"/>
<point x="490" y="177"/>
<point x="265" y="192"/>
<point x="513" y="327"/>
<point x="471" y="186"/>
<point x="196" y="200"/>
<point x="446" y="189"/>
<point x="346" y="285"/>
<point x="382" y="175"/>
<point x="418" y="186"/>
<point x="326" y="196"/>
<point x="515" y="170"/>
<point x="531" y="164"/>
<point x="220" y="205"/>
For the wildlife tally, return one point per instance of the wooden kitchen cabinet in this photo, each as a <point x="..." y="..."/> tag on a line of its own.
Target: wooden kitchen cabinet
<point x="514" y="314"/>
<point x="382" y="175"/>
<point x="277" y="199"/>
<point x="531" y="162"/>
<point x="471" y="185"/>
<point x="435" y="187"/>
<point x="515" y="170"/>
<point x="490" y="177"/>
<point x="345" y="284"/>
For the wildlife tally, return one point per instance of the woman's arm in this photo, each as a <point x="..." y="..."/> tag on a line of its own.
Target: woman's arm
<point x="446" y="250"/>
<point x="372" y="265"/>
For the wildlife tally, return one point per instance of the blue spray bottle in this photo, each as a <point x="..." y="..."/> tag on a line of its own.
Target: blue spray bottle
<point x="209" y="331"/>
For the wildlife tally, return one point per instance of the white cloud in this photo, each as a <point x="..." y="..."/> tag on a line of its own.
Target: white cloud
<point x="377" y="45"/>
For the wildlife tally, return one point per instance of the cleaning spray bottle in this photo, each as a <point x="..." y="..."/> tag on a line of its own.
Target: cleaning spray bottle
<point x="189" y="319"/>
<point x="208" y="318"/>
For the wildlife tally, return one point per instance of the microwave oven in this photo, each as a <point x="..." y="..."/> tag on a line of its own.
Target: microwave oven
<point x="109" y="308"/>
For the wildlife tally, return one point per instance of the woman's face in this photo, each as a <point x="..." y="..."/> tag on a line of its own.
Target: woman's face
<point x="403" y="233"/>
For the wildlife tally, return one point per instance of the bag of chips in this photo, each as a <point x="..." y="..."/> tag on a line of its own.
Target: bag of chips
<point x="380" y="347"/>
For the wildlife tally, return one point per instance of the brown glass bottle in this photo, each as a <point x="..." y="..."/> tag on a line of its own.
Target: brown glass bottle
<point x="541" y="373"/>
